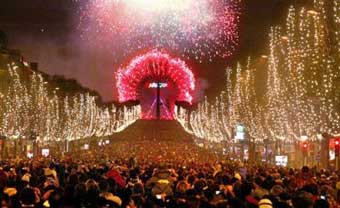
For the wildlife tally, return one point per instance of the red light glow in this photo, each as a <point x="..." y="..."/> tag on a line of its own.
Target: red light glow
<point x="204" y="29"/>
<point x="155" y="66"/>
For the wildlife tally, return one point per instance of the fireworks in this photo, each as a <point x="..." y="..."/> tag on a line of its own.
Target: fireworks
<point x="202" y="30"/>
<point x="155" y="66"/>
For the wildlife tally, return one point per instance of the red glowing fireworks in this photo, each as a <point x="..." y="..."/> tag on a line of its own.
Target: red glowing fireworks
<point x="155" y="66"/>
<point x="203" y="29"/>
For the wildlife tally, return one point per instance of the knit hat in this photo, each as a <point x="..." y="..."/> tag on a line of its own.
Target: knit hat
<point x="26" y="177"/>
<point x="276" y="190"/>
<point x="10" y="191"/>
<point x="237" y="176"/>
<point x="260" y="192"/>
<point x="265" y="203"/>
<point x="113" y="198"/>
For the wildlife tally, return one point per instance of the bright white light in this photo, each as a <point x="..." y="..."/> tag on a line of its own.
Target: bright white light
<point x="281" y="160"/>
<point x="158" y="5"/>
<point x="155" y="85"/>
<point x="45" y="152"/>
<point x="30" y="155"/>
<point x="303" y="138"/>
<point x="193" y="28"/>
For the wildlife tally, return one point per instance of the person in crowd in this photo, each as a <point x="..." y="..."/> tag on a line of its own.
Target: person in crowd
<point x="147" y="174"/>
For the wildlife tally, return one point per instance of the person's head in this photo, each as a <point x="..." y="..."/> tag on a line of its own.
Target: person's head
<point x="225" y="180"/>
<point x="181" y="187"/>
<point x="56" y="197"/>
<point x="91" y="185"/>
<point x="311" y="188"/>
<point x="236" y="203"/>
<point x="162" y="166"/>
<point x="73" y="179"/>
<point x="69" y="192"/>
<point x="138" y="188"/>
<point x="259" y="193"/>
<point x="133" y="174"/>
<point x="191" y="179"/>
<point x="268" y="183"/>
<point x="258" y="181"/>
<point x="11" y="183"/>
<point x="321" y="204"/>
<point x="246" y="189"/>
<point x="305" y="169"/>
<point x="200" y="185"/>
<point x="49" y="183"/>
<point x="302" y="201"/>
<point x="52" y="166"/>
<point x="193" y="202"/>
<point x="285" y="197"/>
<point x="27" y="197"/>
<point x="215" y="188"/>
<point x="305" y="172"/>
<point x="276" y="190"/>
<point x="3" y="179"/>
<point x="80" y="189"/>
<point x="103" y="186"/>
<point x="265" y="203"/>
<point x="136" y="200"/>
<point x="4" y="201"/>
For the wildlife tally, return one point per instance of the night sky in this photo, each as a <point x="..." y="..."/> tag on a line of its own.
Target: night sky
<point x="45" y="33"/>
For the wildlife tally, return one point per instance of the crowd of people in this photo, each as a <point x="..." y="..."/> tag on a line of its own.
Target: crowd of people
<point x="161" y="174"/>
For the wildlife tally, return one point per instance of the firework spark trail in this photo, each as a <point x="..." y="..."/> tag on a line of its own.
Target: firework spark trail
<point x="203" y="29"/>
<point x="155" y="65"/>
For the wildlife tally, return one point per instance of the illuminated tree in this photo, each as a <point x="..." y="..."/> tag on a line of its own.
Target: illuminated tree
<point x="31" y="110"/>
<point x="303" y="74"/>
<point x="251" y="109"/>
